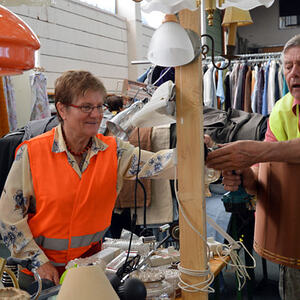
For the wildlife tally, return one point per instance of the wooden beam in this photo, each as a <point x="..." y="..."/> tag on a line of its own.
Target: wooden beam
<point x="191" y="161"/>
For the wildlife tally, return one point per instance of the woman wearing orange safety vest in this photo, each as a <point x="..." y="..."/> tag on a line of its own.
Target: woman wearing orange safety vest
<point x="60" y="193"/>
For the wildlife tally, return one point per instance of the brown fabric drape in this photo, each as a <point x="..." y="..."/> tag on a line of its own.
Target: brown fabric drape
<point x="278" y="213"/>
<point x="161" y="209"/>
<point x="4" y="125"/>
<point x="126" y="195"/>
<point x="247" y="95"/>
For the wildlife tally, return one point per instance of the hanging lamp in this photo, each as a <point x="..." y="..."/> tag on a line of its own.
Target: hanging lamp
<point x="18" y="44"/>
<point x="26" y="2"/>
<point x="174" y="6"/>
<point x="170" y="45"/>
<point x="242" y="4"/>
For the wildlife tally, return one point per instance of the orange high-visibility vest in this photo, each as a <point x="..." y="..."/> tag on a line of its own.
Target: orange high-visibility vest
<point x="72" y="213"/>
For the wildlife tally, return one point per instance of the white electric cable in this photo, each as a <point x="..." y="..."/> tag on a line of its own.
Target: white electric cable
<point x="153" y="84"/>
<point x="237" y="264"/>
<point x="231" y="250"/>
<point x="161" y="76"/>
<point x="220" y="230"/>
<point x="203" y="286"/>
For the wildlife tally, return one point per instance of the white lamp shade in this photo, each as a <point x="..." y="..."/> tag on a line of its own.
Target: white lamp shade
<point x="246" y="5"/>
<point x="167" y="6"/>
<point x="170" y="46"/>
<point x="87" y="282"/>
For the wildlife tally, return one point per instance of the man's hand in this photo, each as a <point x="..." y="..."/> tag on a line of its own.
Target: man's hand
<point x="235" y="156"/>
<point x="231" y="180"/>
<point x="247" y="177"/>
<point x="48" y="271"/>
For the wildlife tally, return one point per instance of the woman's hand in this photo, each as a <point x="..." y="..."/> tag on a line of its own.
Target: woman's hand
<point x="208" y="141"/>
<point x="48" y="271"/>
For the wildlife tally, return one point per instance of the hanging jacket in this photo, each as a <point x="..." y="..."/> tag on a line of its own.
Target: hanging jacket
<point x="4" y="124"/>
<point x="72" y="214"/>
<point x="264" y="108"/>
<point x="225" y="127"/>
<point x="240" y="89"/>
<point x="10" y="142"/>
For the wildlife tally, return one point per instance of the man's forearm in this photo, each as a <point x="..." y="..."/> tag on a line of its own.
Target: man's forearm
<point x="244" y="154"/>
<point x="287" y="151"/>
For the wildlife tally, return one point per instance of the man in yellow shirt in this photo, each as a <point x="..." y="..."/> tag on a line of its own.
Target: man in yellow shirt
<point x="275" y="180"/>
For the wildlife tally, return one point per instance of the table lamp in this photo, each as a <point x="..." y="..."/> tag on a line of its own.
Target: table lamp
<point x="233" y="18"/>
<point x="86" y="282"/>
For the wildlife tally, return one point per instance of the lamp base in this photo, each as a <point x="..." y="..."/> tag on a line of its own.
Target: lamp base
<point x="229" y="52"/>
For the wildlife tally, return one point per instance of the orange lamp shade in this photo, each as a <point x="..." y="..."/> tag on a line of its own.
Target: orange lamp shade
<point x="17" y="44"/>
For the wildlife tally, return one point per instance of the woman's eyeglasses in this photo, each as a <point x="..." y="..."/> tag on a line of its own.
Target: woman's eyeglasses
<point x="86" y="108"/>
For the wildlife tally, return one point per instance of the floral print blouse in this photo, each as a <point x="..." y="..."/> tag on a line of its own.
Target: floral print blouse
<point x="18" y="197"/>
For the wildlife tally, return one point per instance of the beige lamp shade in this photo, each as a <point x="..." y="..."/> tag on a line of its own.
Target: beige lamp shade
<point x="235" y="15"/>
<point x="88" y="282"/>
<point x="233" y="18"/>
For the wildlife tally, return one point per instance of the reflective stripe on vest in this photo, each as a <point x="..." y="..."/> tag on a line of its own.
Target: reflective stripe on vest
<point x="86" y="240"/>
<point x="52" y="244"/>
<point x="56" y="264"/>
<point x="283" y="123"/>
<point x="72" y="213"/>
<point x="76" y="241"/>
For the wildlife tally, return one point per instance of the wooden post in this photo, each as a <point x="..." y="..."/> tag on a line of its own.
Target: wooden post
<point x="191" y="161"/>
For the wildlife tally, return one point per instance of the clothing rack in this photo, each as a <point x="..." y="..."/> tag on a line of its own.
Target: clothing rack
<point x="258" y="57"/>
<point x="254" y="57"/>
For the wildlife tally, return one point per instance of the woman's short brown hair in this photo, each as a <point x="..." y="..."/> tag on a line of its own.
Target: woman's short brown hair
<point x="72" y="84"/>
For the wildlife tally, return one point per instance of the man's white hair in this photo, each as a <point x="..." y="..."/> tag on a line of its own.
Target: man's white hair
<point x="293" y="42"/>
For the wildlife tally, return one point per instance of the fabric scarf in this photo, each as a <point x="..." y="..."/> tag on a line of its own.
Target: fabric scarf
<point x="4" y="126"/>
<point x="40" y="109"/>
<point x="10" y="102"/>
